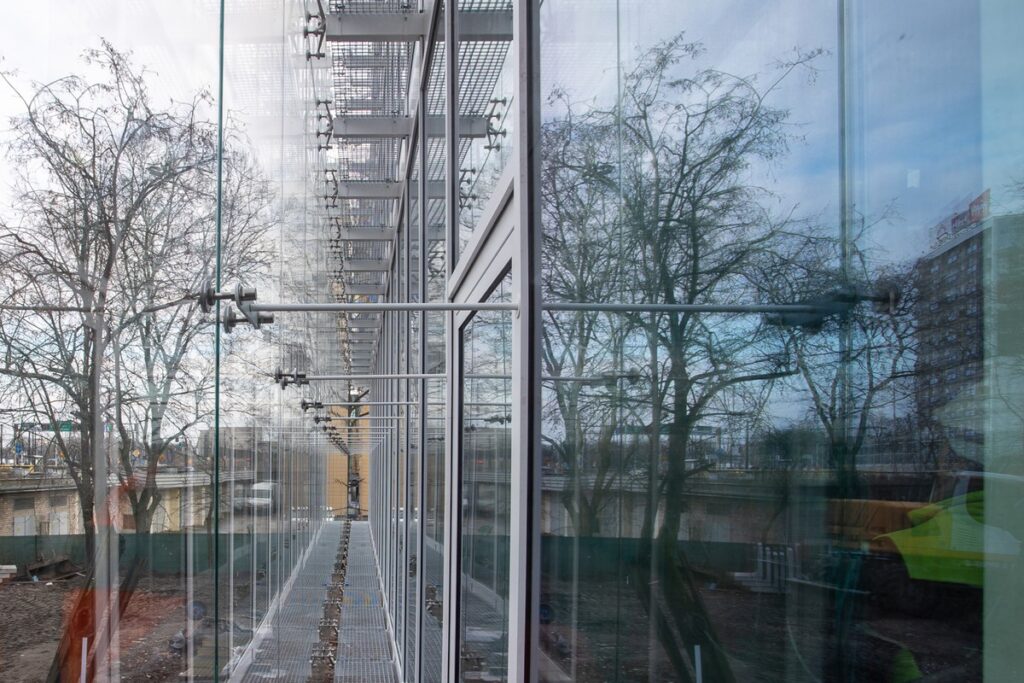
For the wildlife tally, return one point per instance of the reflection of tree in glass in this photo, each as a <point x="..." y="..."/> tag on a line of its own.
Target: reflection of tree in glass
<point x="116" y="203"/>
<point x="657" y="199"/>
<point x="853" y="362"/>
<point x="581" y="262"/>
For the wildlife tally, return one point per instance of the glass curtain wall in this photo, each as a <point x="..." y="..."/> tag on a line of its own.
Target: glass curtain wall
<point x="805" y="465"/>
<point x="485" y="124"/>
<point x="777" y="392"/>
<point x="276" y="98"/>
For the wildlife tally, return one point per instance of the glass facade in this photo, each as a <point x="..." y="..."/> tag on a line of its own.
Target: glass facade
<point x="481" y="340"/>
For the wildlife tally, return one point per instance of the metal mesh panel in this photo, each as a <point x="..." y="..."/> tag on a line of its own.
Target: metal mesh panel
<point x="357" y="671"/>
<point x="484" y="5"/>
<point x="370" y="78"/>
<point x="284" y="655"/>
<point x="369" y="644"/>
<point x="480" y="65"/>
<point x="371" y="6"/>
<point x="364" y="650"/>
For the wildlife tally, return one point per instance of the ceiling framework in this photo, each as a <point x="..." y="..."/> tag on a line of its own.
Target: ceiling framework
<point x="373" y="51"/>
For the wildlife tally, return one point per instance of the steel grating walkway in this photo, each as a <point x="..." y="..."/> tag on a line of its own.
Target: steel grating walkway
<point x="284" y="654"/>
<point x="364" y="649"/>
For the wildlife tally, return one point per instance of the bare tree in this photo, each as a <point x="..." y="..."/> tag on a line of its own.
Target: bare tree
<point x="859" y="358"/>
<point x="162" y="353"/>
<point x="90" y="159"/>
<point x="694" y="230"/>
<point x="581" y="263"/>
<point x="113" y="229"/>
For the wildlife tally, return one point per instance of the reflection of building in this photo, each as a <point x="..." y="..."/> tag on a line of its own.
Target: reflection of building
<point x="47" y="509"/>
<point x="950" y="326"/>
<point x="958" y="286"/>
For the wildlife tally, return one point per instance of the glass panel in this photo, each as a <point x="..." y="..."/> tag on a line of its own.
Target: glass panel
<point x="106" y="232"/>
<point x="486" y="125"/>
<point x="486" y="468"/>
<point x="434" y="453"/>
<point x="412" y="501"/>
<point x="275" y="100"/>
<point x="813" y="493"/>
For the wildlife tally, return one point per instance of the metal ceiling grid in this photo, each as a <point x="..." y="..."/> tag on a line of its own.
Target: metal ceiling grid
<point x="480" y="64"/>
<point x="365" y="213"/>
<point x="371" y="6"/>
<point x="368" y="159"/>
<point x="371" y="79"/>
<point x="484" y="5"/>
<point x="356" y="251"/>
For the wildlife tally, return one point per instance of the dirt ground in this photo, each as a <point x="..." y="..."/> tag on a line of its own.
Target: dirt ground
<point x="31" y="621"/>
<point x="33" y="617"/>
<point x="768" y="637"/>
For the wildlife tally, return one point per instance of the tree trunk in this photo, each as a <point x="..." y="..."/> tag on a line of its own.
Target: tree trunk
<point x="136" y="568"/>
<point x="665" y="581"/>
<point x="588" y="520"/>
<point x="86" y="500"/>
<point x="81" y="623"/>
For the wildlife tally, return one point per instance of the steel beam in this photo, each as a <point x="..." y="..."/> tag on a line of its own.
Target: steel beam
<point x="369" y="190"/>
<point x="355" y="307"/>
<point x="548" y="306"/>
<point x="371" y="377"/>
<point x="370" y="403"/>
<point x="367" y="265"/>
<point x="365" y="290"/>
<point x="357" y="235"/>
<point x="410" y="27"/>
<point x="681" y="308"/>
<point x="377" y="235"/>
<point x="375" y="127"/>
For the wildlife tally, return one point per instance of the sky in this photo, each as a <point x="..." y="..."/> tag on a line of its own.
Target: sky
<point x="177" y="41"/>
<point x="934" y="101"/>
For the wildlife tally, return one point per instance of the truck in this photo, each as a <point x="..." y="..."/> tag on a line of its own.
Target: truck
<point x="262" y="497"/>
<point x="931" y="557"/>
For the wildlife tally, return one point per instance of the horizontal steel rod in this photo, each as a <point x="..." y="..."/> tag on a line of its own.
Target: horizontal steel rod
<point x="367" y="378"/>
<point x="371" y="307"/>
<point x="681" y="308"/>
<point x="340" y="418"/>
<point x="364" y="431"/>
<point x="548" y="306"/>
<point x="551" y="378"/>
<point x="370" y="403"/>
